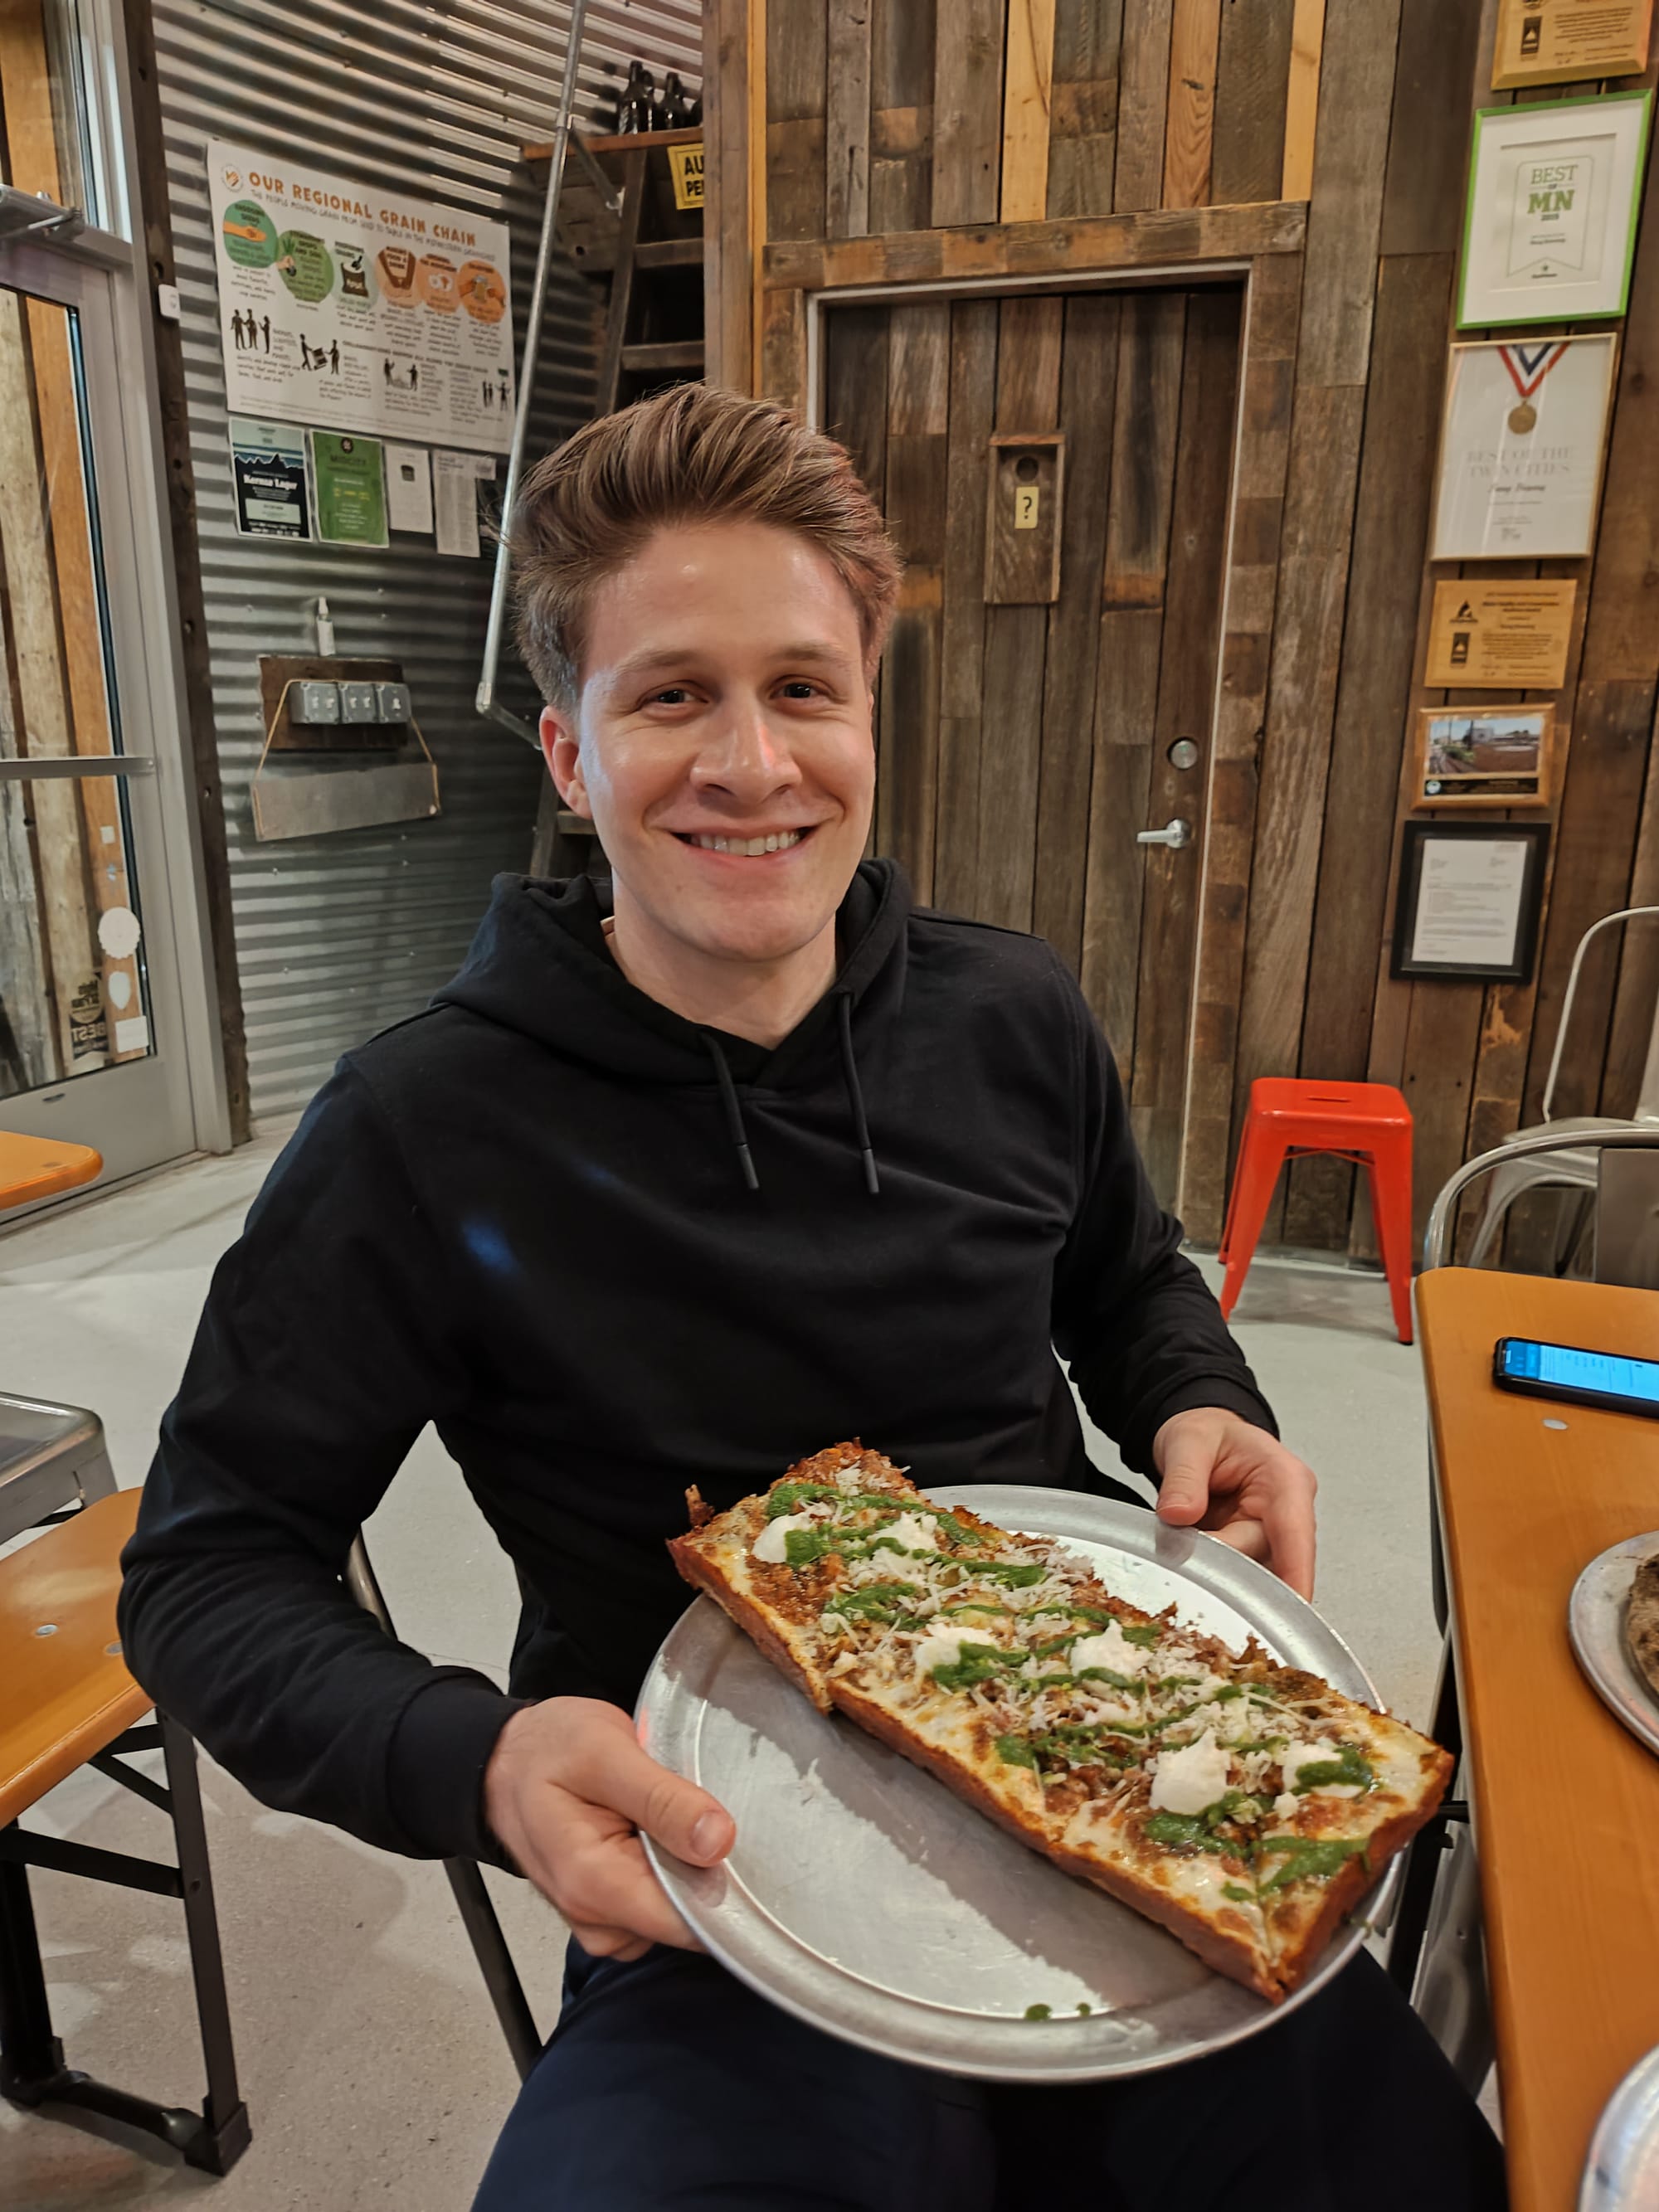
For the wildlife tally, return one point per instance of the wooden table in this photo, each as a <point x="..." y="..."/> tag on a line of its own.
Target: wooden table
<point x="32" y="1168"/>
<point x="1566" y="1801"/>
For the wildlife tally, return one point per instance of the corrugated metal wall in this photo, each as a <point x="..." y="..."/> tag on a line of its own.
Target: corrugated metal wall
<point x="337" y="936"/>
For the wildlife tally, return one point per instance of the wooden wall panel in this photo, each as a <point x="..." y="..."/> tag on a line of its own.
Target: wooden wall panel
<point x="1030" y="335"/>
<point x="1185" y="692"/>
<point x="846" y="134"/>
<point x="1253" y="69"/>
<point x="1088" y="387"/>
<point x="1029" y="72"/>
<point x="917" y="416"/>
<point x="797" y="84"/>
<point x="1083" y="107"/>
<point x="1170" y="132"/>
<point x="967" y="111"/>
<point x="901" y="115"/>
<point x="1189" y="123"/>
<point x="962" y="691"/>
<point x="1143" y="99"/>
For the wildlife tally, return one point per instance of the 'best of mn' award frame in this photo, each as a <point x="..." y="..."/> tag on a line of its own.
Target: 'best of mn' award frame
<point x="1549" y="228"/>
<point x="1523" y="445"/>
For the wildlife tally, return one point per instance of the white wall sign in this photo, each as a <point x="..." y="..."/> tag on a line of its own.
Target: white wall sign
<point x="344" y="305"/>
<point x="1522" y="448"/>
<point x="1550" y="227"/>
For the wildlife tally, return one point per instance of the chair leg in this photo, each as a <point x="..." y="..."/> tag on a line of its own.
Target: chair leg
<point x="225" y="2133"/>
<point x="1260" y="1158"/>
<point x="30" y="2054"/>
<point x="494" y="1962"/>
<point x="1389" y="1168"/>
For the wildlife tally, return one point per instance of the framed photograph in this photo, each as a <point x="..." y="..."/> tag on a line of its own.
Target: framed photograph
<point x="1549" y="230"/>
<point x="1469" y="899"/>
<point x="1566" y="41"/>
<point x="1484" y="755"/>
<point x="1522" y="447"/>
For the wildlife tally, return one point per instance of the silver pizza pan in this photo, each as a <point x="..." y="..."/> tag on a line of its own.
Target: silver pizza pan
<point x="1595" y="1622"/>
<point x="864" y="1898"/>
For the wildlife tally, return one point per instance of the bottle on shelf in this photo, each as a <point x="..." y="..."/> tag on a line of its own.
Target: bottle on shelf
<point x="638" y="102"/>
<point x="676" y="104"/>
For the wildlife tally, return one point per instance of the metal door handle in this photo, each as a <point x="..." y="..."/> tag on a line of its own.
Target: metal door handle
<point x="1176" y="833"/>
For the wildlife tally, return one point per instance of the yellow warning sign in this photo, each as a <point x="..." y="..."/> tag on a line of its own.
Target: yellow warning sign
<point x="685" y="165"/>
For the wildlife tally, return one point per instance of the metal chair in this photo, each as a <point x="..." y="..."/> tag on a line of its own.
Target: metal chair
<point x="1572" y="1166"/>
<point x="52" y="1461"/>
<point x="466" y="1877"/>
<point x="1436" y="1952"/>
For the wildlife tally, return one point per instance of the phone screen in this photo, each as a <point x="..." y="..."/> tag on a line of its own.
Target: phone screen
<point x="1565" y="1367"/>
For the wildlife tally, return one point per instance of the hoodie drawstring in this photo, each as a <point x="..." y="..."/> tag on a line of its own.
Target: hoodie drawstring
<point x="849" y="1070"/>
<point x="738" y="1134"/>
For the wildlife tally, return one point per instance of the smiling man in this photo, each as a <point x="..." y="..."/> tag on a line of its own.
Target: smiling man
<point x="677" y="1180"/>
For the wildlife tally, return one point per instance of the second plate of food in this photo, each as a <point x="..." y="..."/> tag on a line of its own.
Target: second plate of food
<point x="865" y="1897"/>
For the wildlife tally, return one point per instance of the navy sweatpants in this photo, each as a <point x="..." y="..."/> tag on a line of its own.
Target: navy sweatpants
<point x="668" y="2086"/>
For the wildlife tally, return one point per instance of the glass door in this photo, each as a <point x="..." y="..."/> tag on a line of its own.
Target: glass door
<point x="92" y="1026"/>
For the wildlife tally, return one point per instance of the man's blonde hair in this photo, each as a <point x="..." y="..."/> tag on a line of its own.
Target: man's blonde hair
<point x="692" y="454"/>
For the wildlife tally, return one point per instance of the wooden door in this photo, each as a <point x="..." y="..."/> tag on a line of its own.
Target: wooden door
<point x="1021" y="748"/>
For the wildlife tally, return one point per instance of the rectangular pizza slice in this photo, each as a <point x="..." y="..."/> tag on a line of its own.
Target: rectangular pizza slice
<point x="1243" y="1806"/>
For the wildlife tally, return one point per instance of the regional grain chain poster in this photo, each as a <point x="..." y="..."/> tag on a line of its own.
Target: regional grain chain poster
<point x="343" y="306"/>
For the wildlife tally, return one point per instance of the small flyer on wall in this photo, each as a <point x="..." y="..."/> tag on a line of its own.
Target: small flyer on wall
<point x="346" y="306"/>
<point x="349" y="478"/>
<point x="268" y="474"/>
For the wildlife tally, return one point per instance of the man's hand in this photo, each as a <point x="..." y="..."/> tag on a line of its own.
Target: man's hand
<point x="1222" y="1474"/>
<point x="566" y="1790"/>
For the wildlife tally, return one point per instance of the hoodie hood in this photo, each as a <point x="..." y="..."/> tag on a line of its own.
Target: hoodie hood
<point x="539" y="964"/>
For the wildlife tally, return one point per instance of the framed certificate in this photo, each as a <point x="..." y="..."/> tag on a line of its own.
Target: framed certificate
<point x="1549" y="230"/>
<point x="1469" y="898"/>
<point x="1565" y="41"/>
<point x="1484" y="755"/>
<point x="1522" y="448"/>
<point x="1493" y="633"/>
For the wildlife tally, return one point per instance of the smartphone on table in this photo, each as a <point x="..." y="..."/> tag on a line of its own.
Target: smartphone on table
<point x="1575" y="1373"/>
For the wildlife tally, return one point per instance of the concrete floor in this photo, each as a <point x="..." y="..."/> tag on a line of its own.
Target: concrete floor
<point x="371" y="2063"/>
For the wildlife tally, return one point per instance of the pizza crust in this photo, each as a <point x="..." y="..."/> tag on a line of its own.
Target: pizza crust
<point x="1642" y="1622"/>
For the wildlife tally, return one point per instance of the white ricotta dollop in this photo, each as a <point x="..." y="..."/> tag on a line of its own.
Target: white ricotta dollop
<point x="913" y="1530"/>
<point x="942" y="1647"/>
<point x="1284" y="1806"/>
<point x="1191" y="1779"/>
<point x="1111" y="1648"/>
<point x="1319" y="1752"/>
<point x="771" y="1544"/>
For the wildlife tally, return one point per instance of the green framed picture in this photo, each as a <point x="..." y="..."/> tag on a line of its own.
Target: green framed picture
<point x="1549" y="230"/>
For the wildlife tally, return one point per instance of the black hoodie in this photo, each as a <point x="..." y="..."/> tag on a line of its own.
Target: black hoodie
<point x="609" y="1253"/>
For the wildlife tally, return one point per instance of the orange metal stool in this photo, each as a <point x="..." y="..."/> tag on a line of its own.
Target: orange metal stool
<point x="1369" y="1123"/>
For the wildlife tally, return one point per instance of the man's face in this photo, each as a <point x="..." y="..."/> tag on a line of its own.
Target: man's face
<point x="725" y="709"/>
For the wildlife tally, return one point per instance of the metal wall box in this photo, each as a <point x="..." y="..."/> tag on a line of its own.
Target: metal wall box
<point x="1026" y="485"/>
<point x="310" y="704"/>
<point x="283" y="672"/>
<point x="392" y="703"/>
<point x="358" y="703"/>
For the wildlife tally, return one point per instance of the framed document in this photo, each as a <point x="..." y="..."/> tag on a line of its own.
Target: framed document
<point x="1565" y="41"/>
<point x="1484" y="757"/>
<point x="1469" y="899"/>
<point x="1490" y="635"/>
<point x="1550" y="226"/>
<point x="1521" y="447"/>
